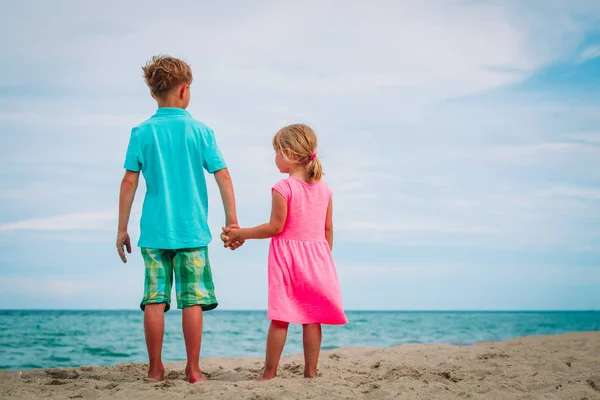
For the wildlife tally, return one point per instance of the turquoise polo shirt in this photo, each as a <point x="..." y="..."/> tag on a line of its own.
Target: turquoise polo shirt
<point x="172" y="150"/>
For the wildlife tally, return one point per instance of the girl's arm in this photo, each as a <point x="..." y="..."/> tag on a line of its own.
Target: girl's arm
<point x="273" y="227"/>
<point x="329" y="225"/>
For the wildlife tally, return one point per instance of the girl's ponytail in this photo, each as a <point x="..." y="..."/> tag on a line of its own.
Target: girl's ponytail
<point x="315" y="169"/>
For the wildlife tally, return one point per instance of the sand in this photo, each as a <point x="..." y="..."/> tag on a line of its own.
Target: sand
<point x="538" y="367"/>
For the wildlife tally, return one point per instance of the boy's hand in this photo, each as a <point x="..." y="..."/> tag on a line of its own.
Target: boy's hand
<point x="233" y="245"/>
<point x="123" y="242"/>
<point x="231" y="237"/>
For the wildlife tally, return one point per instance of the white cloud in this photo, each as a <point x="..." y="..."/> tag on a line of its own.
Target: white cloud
<point x="573" y="192"/>
<point x="51" y="288"/>
<point x="590" y="53"/>
<point x="78" y="221"/>
<point x="123" y="121"/>
<point x="416" y="225"/>
<point x="591" y="137"/>
<point x="432" y="49"/>
<point x="521" y="154"/>
<point x="502" y="272"/>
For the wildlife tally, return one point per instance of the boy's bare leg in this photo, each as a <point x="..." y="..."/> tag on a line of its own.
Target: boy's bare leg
<point x="192" y="333"/>
<point x="275" y="343"/>
<point x="154" y="328"/>
<point x="311" y="339"/>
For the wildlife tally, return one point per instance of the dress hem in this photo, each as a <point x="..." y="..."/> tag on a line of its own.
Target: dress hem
<point x="308" y="322"/>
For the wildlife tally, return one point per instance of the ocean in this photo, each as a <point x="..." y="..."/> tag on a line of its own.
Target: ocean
<point x="48" y="339"/>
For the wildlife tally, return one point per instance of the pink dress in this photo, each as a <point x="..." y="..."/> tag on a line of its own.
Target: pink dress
<point x="303" y="282"/>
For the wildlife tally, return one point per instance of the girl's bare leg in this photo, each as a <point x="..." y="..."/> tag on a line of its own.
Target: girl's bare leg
<point x="311" y="338"/>
<point x="275" y="343"/>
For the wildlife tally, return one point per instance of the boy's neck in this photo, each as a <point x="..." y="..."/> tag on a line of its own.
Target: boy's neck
<point x="170" y="104"/>
<point x="171" y="100"/>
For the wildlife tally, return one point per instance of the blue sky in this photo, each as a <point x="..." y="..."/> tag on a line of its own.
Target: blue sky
<point x="461" y="139"/>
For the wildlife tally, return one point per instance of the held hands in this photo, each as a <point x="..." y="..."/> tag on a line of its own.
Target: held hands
<point x="123" y="241"/>
<point x="231" y="237"/>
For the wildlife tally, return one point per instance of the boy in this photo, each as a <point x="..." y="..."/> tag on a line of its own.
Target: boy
<point x="172" y="150"/>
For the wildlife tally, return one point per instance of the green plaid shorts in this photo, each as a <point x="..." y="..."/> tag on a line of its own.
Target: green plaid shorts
<point x="193" y="278"/>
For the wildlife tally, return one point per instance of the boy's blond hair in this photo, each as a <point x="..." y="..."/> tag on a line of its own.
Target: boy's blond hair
<point x="164" y="73"/>
<point x="301" y="141"/>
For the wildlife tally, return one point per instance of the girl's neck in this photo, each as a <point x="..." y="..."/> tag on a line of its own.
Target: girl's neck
<point x="300" y="173"/>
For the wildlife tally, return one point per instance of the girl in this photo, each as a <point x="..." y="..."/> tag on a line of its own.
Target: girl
<point x="303" y="283"/>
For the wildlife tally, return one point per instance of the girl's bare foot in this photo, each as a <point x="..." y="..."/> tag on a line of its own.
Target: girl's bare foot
<point x="156" y="373"/>
<point x="194" y="375"/>
<point x="275" y="342"/>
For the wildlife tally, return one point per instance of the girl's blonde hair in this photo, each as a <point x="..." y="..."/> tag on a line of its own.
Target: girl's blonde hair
<point x="301" y="142"/>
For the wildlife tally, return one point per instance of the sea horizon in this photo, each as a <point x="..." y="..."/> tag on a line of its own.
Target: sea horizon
<point x="46" y="338"/>
<point x="175" y="310"/>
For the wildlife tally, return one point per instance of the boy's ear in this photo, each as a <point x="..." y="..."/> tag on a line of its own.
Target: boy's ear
<point x="153" y="96"/>
<point x="182" y="91"/>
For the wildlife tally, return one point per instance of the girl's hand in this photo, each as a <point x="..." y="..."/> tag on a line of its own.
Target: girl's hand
<point x="235" y="245"/>
<point x="231" y="237"/>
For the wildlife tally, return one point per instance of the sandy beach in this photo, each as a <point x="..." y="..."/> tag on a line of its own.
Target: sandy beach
<point x="549" y="367"/>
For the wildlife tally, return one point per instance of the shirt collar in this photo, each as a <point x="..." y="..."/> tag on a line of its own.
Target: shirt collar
<point x="171" y="111"/>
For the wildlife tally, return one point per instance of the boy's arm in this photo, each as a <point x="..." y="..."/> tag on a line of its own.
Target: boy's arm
<point x="225" y="184"/>
<point x="129" y="186"/>
<point x="329" y="225"/>
<point x="273" y="227"/>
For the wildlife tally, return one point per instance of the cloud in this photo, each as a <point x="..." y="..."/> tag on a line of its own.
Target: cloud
<point x="52" y="288"/>
<point x="590" y="53"/>
<point x="416" y="226"/>
<point x="503" y="272"/>
<point x="29" y="118"/>
<point x="585" y="137"/>
<point x="288" y="47"/>
<point x="525" y="154"/>
<point x="79" y="221"/>
<point x="573" y="192"/>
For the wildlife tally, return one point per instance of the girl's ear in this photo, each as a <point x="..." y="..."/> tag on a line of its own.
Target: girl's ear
<point x="288" y="154"/>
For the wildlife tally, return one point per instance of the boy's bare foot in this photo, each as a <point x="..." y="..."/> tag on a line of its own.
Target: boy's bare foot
<point x="194" y="375"/>
<point x="156" y="373"/>
<point x="310" y="374"/>
<point x="267" y="376"/>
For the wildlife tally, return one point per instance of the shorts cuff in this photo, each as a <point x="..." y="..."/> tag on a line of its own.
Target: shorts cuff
<point x="204" y="306"/>
<point x="156" y="301"/>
